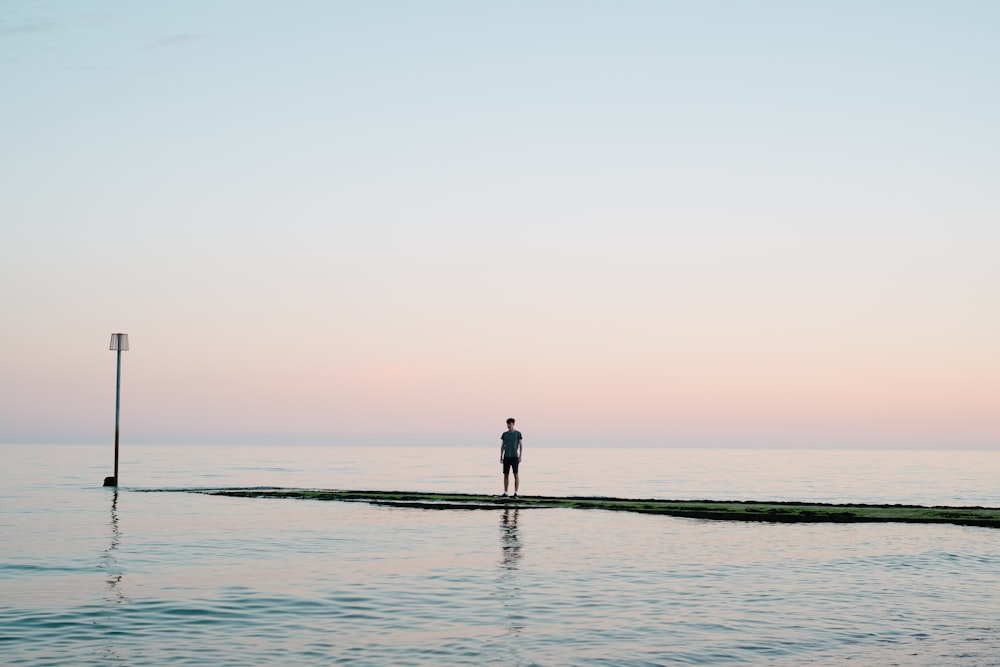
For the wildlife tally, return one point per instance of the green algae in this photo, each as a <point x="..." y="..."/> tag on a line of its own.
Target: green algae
<point x="717" y="510"/>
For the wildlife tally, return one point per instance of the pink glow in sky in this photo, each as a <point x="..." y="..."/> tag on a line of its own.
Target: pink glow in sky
<point x="663" y="224"/>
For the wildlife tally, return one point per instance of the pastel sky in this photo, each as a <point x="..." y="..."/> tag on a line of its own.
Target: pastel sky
<point x="656" y="223"/>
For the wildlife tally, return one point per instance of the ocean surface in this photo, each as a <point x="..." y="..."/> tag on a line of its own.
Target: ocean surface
<point x="96" y="576"/>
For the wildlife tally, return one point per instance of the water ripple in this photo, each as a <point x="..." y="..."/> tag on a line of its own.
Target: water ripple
<point x="138" y="579"/>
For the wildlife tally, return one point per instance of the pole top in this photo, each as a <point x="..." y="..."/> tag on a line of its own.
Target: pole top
<point x="119" y="341"/>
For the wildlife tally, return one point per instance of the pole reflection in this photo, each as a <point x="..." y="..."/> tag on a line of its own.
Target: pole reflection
<point x="113" y="593"/>
<point x="109" y="560"/>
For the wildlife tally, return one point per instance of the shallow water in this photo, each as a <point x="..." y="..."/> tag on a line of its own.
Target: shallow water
<point x="91" y="576"/>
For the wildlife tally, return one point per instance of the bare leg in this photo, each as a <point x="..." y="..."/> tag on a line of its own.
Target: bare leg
<point x="506" y="481"/>
<point x="517" y="483"/>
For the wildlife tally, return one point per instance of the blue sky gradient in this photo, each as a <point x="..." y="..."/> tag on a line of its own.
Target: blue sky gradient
<point x="658" y="223"/>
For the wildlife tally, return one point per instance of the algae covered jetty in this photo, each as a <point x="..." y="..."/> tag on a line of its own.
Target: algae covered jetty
<point x="724" y="510"/>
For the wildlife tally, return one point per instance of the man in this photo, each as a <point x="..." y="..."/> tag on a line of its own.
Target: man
<point x="510" y="455"/>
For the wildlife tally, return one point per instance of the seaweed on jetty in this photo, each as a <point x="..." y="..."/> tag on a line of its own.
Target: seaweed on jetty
<point x="748" y="510"/>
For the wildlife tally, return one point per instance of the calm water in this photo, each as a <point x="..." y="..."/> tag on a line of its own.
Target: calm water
<point x="91" y="576"/>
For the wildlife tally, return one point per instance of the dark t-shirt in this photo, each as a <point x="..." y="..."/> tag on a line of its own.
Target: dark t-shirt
<point x="510" y="439"/>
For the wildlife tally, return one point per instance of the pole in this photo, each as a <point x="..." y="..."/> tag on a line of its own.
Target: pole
<point x="118" y="395"/>
<point x="119" y="343"/>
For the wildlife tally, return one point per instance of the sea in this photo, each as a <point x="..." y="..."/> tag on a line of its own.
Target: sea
<point x="151" y="574"/>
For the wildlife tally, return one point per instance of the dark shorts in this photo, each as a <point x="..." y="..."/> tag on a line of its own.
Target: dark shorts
<point x="510" y="464"/>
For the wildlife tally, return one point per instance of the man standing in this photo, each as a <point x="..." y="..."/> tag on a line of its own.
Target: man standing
<point x="510" y="455"/>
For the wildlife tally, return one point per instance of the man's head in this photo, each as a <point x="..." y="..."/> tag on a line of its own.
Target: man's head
<point x="510" y="423"/>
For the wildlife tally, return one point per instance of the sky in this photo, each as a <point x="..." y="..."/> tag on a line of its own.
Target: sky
<point x="633" y="223"/>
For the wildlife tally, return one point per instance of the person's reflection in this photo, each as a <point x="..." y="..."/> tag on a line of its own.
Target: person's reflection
<point x="510" y="545"/>
<point x="510" y="556"/>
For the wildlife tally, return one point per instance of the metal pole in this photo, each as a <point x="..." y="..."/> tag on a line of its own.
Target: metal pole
<point x="119" y="343"/>
<point x="118" y="395"/>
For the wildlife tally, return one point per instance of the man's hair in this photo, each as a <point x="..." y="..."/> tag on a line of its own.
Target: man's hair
<point x="510" y="420"/>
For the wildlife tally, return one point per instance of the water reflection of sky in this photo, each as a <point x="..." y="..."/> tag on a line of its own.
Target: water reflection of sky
<point x="100" y="577"/>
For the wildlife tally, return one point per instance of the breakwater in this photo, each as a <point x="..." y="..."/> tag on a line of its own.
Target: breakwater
<point x="716" y="510"/>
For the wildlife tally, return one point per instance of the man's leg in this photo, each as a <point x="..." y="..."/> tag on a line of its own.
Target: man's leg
<point x="506" y="481"/>
<point x="517" y="483"/>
